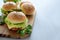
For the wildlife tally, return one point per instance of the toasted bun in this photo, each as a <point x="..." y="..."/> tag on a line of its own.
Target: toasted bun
<point x="16" y="17"/>
<point x="8" y="6"/>
<point x="24" y="2"/>
<point x="27" y="8"/>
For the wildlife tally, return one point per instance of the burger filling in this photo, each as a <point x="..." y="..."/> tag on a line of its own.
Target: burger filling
<point x="5" y="12"/>
<point x="11" y="0"/>
<point x="16" y="25"/>
<point x="26" y="29"/>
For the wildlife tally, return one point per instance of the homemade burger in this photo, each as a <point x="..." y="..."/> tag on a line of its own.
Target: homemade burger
<point x="27" y="8"/>
<point x="8" y="7"/>
<point x="16" y="21"/>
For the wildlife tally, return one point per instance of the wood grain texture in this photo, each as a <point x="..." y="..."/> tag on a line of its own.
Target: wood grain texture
<point x="4" y="31"/>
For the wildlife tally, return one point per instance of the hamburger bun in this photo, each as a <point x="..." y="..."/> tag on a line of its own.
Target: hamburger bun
<point x="27" y="8"/>
<point x="9" y="6"/>
<point x="16" y="17"/>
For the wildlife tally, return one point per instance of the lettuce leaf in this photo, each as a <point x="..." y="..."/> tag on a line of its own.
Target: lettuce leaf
<point x="11" y="0"/>
<point x="17" y="25"/>
<point x="27" y="30"/>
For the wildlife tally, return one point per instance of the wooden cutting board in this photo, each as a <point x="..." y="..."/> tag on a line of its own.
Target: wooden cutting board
<point x="4" y="32"/>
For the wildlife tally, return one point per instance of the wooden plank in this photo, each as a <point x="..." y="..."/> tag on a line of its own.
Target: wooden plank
<point x="4" y="32"/>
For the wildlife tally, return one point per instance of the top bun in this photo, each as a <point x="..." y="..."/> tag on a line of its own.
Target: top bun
<point x="27" y="8"/>
<point x="8" y="6"/>
<point x="16" y="17"/>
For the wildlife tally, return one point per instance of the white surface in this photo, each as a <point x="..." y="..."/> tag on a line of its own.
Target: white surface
<point x="47" y="21"/>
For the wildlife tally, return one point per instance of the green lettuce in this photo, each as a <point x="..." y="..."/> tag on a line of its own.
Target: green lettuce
<point x="12" y="0"/>
<point x="5" y="12"/>
<point x="27" y="30"/>
<point x="16" y="25"/>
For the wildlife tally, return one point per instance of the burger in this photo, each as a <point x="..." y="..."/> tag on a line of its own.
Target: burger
<point x="8" y="7"/>
<point x="27" y="8"/>
<point x="16" y="21"/>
